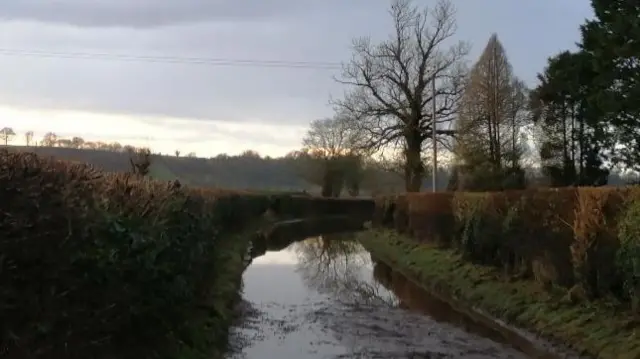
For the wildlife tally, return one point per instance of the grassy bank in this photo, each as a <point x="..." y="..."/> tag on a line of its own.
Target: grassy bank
<point x="217" y="313"/>
<point x="593" y="328"/>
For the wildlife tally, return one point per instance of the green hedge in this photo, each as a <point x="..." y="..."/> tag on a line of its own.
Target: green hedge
<point x="96" y="265"/>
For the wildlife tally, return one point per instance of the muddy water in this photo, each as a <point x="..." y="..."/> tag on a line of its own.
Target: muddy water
<point x="326" y="298"/>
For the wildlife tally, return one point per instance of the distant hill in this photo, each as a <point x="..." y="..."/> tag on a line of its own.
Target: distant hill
<point x="234" y="172"/>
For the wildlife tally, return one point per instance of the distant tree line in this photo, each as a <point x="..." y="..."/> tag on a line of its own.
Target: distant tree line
<point x="139" y="157"/>
<point x="297" y="171"/>
<point x="51" y="139"/>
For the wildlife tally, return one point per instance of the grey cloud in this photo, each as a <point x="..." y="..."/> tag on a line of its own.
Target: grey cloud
<point x="236" y="94"/>
<point x="145" y="13"/>
<point x="225" y="94"/>
<point x="161" y="89"/>
<point x="300" y="30"/>
<point x="197" y="132"/>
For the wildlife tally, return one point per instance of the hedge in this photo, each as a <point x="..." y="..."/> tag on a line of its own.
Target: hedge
<point x="99" y="265"/>
<point x="583" y="239"/>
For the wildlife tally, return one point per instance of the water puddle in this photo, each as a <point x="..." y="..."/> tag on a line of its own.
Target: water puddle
<point x="325" y="297"/>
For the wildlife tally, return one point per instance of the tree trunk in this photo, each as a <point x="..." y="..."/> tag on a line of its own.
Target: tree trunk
<point x="565" y="147"/>
<point x="490" y="134"/>
<point x="327" y="182"/>
<point x="514" y="140"/>
<point x="581" y="143"/>
<point x="414" y="169"/>
<point x="337" y="184"/>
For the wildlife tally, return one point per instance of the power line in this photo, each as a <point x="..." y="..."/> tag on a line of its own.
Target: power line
<point x="319" y="65"/>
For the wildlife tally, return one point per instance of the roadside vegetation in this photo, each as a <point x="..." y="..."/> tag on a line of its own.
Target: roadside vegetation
<point x="114" y="265"/>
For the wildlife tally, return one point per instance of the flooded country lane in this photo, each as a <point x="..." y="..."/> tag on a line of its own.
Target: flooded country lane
<point x="325" y="297"/>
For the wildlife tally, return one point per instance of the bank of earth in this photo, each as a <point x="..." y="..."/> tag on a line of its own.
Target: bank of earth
<point x="231" y="263"/>
<point x="593" y="329"/>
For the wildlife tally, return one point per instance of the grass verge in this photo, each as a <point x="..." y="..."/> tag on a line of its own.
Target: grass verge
<point x="218" y="313"/>
<point x="597" y="329"/>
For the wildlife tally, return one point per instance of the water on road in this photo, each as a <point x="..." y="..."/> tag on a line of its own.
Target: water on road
<point x="326" y="298"/>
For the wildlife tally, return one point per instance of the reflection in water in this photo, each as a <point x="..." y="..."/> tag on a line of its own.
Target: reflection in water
<point x="338" y="266"/>
<point x="318" y="299"/>
<point x="414" y="298"/>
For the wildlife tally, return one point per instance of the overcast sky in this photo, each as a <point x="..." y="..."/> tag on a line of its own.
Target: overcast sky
<point x="213" y="109"/>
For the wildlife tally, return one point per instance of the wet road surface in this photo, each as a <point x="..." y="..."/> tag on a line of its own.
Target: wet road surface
<point x="325" y="298"/>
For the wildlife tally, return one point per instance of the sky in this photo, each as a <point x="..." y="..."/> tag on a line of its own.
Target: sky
<point x="212" y="109"/>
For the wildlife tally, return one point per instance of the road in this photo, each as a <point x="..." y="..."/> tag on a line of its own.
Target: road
<point x="322" y="298"/>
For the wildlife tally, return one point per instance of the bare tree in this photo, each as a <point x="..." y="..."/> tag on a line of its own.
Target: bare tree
<point x="116" y="146"/>
<point x="519" y="118"/>
<point x="177" y="152"/>
<point x="77" y="142"/>
<point x="332" y="136"/>
<point x="250" y="154"/>
<point x="140" y="161"/>
<point x="332" y="148"/>
<point x="6" y="134"/>
<point x="90" y="145"/>
<point x="28" y="137"/>
<point x="491" y="118"/>
<point x="50" y="139"/>
<point x="394" y="160"/>
<point x="390" y="83"/>
<point x="305" y="166"/>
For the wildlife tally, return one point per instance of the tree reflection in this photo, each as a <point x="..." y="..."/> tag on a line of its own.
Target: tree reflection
<point x="337" y="265"/>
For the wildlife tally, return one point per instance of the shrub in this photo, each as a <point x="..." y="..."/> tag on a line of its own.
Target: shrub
<point x="567" y="237"/>
<point x="468" y="209"/>
<point x="596" y="239"/>
<point x="628" y="254"/>
<point x="516" y="257"/>
<point x="548" y="234"/>
<point x="431" y="220"/>
<point x="96" y="265"/>
<point x="401" y="214"/>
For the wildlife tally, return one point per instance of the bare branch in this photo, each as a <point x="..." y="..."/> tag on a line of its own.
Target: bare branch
<point x="391" y="78"/>
<point x="389" y="95"/>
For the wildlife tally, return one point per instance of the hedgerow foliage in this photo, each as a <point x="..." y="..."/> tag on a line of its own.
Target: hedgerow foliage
<point x="97" y="265"/>
<point x="586" y="238"/>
